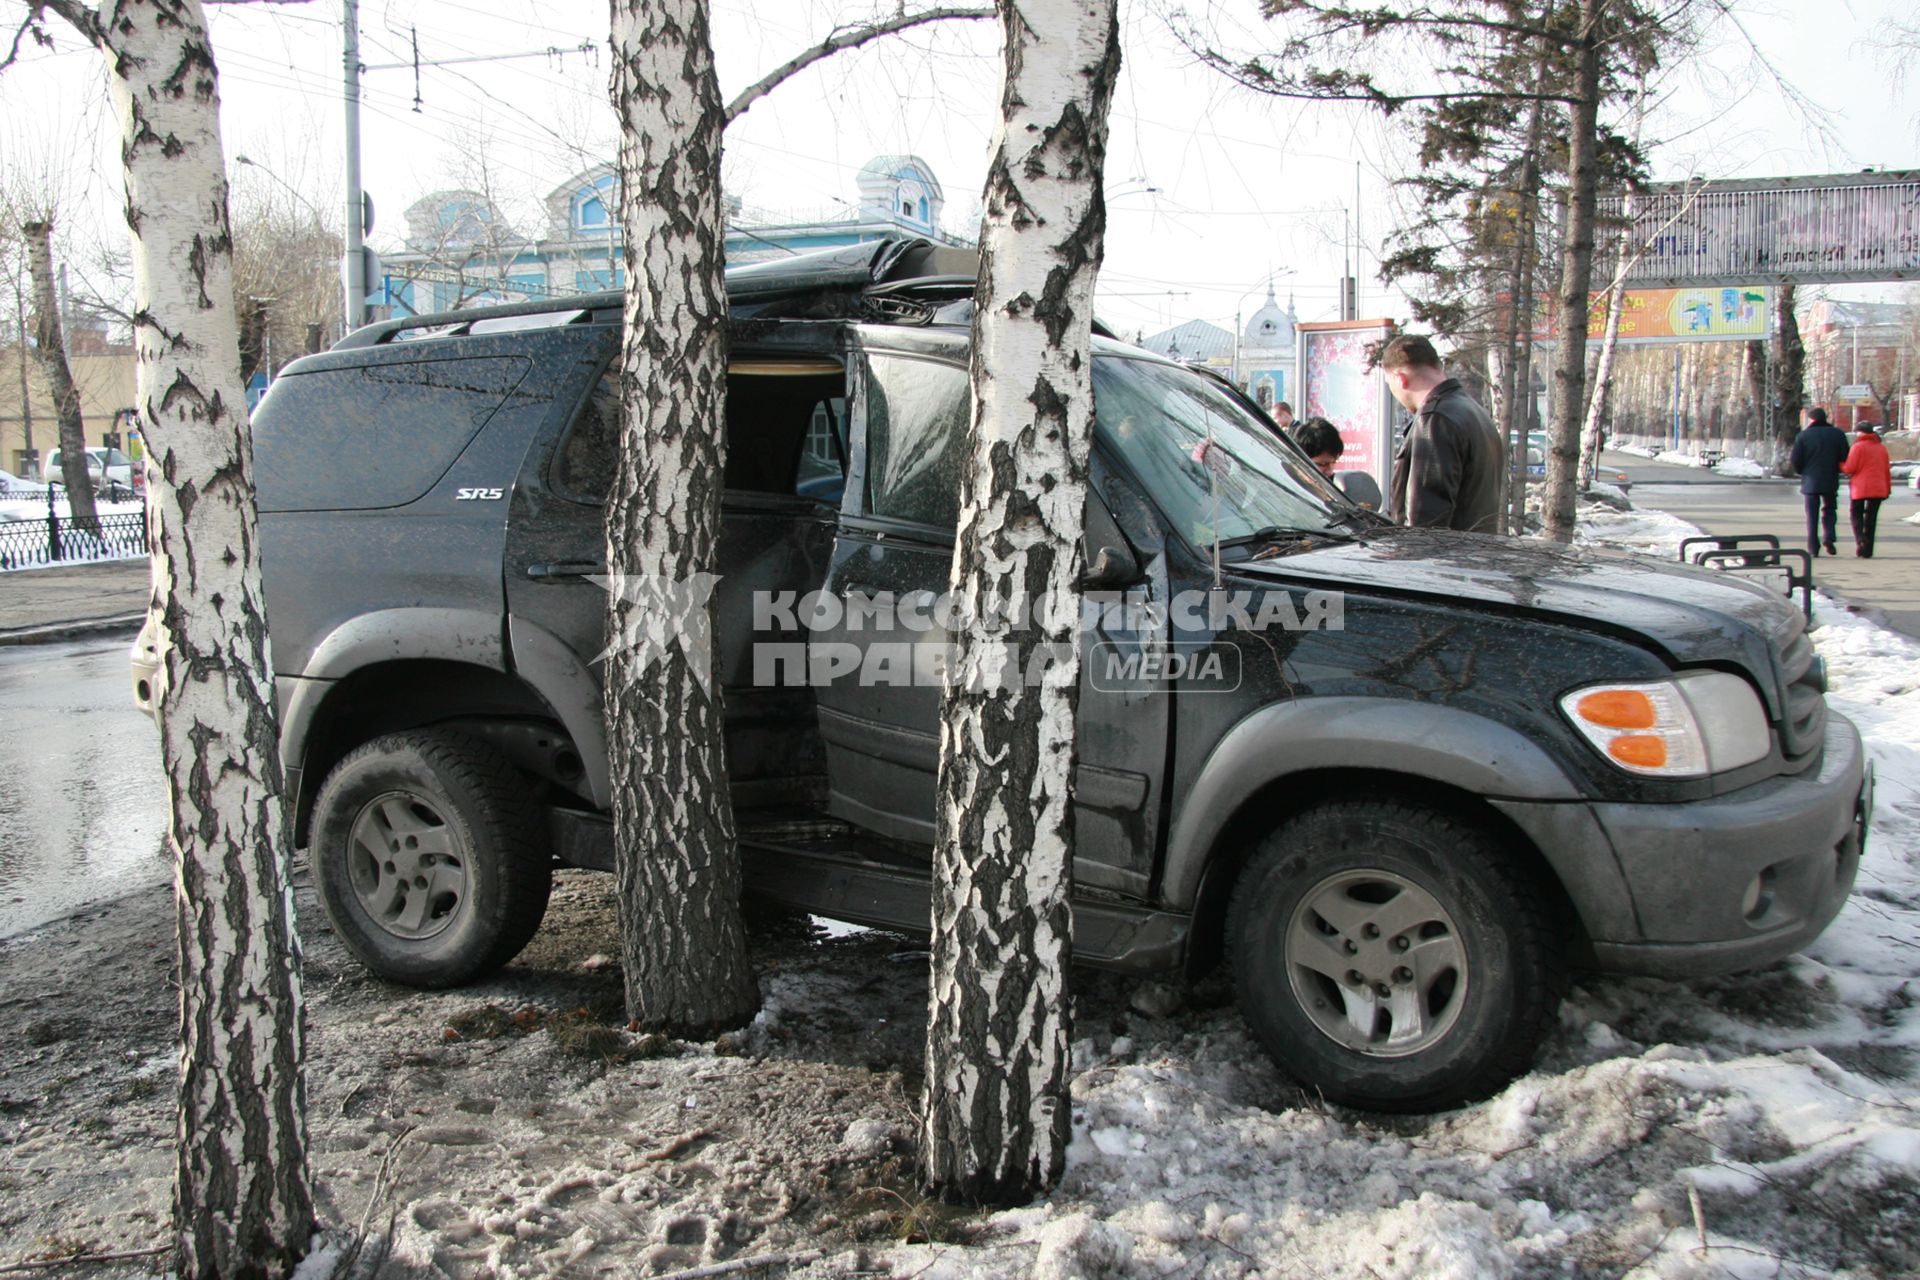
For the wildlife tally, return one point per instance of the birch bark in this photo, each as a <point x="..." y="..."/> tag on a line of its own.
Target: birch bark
<point x="676" y="860"/>
<point x="242" y="1202"/>
<point x="997" y="1107"/>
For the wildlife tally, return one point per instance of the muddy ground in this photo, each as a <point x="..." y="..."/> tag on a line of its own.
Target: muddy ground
<point x="513" y="1127"/>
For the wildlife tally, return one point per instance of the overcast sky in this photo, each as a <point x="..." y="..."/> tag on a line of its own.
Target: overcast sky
<point x="1213" y="191"/>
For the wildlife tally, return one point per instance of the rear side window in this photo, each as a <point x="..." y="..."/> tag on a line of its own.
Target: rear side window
<point x="373" y="436"/>
<point x="916" y="440"/>
<point x="786" y="432"/>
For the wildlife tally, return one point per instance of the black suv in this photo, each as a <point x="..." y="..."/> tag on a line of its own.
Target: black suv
<point x="1401" y="779"/>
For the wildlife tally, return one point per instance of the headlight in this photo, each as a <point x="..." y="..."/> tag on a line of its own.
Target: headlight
<point x="1688" y="727"/>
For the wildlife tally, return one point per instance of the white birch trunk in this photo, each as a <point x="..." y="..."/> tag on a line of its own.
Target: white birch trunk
<point x="677" y="865"/>
<point x="1599" y="401"/>
<point x="242" y="1203"/>
<point x="997" y="1107"/>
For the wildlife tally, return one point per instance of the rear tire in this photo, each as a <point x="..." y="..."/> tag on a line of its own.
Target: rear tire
<point x="430" y="858"/>
<point x="1394" y="956"/>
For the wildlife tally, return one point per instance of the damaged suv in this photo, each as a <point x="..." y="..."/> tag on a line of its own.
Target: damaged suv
<point x="1403" y="780"/>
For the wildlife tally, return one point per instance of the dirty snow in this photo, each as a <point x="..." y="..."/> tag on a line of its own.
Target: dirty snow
<point x="1756" y="1125"/>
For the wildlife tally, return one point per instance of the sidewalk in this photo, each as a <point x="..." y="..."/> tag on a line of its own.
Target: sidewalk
<point x="53" y="603"/>
<point x="1886" y="588"/>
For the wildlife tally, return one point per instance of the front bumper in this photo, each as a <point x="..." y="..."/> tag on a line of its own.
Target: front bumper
<point x="1743" y="879"/>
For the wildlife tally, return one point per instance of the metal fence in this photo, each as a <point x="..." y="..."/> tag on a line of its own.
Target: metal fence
<point x="58" y="539"/>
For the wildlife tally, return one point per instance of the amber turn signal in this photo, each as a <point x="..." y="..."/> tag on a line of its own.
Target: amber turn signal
<point x="1643" y="751"/>
<point x="1618" y="709"/>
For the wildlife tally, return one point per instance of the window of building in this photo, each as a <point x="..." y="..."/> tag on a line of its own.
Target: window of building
<point x="592" y="204"/>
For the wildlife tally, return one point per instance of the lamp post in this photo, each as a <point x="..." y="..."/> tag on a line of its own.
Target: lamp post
<point x="285" y="186"/>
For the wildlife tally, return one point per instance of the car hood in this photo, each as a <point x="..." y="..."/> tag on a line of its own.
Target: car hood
<point x="1689" y="613"/>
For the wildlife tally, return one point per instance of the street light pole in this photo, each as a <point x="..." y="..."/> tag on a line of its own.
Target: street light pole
<point x="353" y="266"/>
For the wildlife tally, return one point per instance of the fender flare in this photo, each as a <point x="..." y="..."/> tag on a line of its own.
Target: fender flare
<point x="1443" y="744"/>
<point x="551" y="669"/>
<point x="387" y="635"/>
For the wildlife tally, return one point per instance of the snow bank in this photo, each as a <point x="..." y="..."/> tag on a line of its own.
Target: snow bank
<point x="1741" y="469"/>
<point x="1757" y="1124"/>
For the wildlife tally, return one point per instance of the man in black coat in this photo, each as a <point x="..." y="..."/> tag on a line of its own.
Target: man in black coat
<point x="1818" y="452"/>
<point x="1448" y="470"/>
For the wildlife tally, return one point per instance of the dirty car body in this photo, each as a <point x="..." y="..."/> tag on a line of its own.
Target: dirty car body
<point x="1402" y="779"/>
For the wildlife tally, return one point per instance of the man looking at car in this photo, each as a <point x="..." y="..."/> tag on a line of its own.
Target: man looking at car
<point x="1447" y="472"/>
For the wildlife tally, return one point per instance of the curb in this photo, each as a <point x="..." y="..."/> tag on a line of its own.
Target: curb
<point x="126" y="622"/>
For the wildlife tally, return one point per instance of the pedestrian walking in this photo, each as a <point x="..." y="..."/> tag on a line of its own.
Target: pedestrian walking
<point x="1283" y="415"/>
<point x="1449" y="467"/>
<point x="1818" y="453"/>
<point x="1869" y="483"/>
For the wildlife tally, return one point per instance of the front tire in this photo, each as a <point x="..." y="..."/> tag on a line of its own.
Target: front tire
<point x="429" y="858"/>
<point x="1394" y="956"/>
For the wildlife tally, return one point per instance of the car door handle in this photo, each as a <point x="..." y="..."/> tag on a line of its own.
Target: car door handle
<point x="560" y="569"/>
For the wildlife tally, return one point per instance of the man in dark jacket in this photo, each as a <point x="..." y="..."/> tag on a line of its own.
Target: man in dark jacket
<point x="1818" y="452"/>
<point x="1448" y="470"/>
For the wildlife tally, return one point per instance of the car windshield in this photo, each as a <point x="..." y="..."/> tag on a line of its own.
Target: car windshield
<point x="1213" y="468"/>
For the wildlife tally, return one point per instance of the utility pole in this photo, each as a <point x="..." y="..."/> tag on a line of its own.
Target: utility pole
<point x="1353" y="281"/>
<point x="353" y="267"/>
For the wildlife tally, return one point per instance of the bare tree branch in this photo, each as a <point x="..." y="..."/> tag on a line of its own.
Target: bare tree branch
<point x="843" y="38"/>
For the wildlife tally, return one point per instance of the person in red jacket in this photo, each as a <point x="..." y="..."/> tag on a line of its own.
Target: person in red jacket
<point x="1869" y="483"/>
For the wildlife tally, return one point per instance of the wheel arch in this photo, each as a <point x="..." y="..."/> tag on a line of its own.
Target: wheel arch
<point x="1283" y="797"/>
<point x="327" y="719"/>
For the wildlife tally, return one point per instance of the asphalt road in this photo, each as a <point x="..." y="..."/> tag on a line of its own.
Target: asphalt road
<point x="83" y="807"/>
<point x="1886" y="587"/>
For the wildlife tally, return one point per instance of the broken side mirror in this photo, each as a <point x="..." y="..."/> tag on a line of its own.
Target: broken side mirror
<point x="1109" y="568"/>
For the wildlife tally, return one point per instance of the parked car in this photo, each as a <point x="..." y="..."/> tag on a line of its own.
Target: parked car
<point x="12" y="486"/>
<point x="1402" y="778"/>
<point x="113" y="473"/>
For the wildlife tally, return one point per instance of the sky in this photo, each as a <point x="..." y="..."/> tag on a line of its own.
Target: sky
<point x="1214" y="193"/>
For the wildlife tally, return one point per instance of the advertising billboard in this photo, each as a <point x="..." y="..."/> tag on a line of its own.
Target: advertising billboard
<point x="1336" y="383"/>
<point x="1732" y="313"/>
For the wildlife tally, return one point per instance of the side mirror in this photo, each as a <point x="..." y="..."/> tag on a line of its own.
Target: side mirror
<point x="1110" y="568"/>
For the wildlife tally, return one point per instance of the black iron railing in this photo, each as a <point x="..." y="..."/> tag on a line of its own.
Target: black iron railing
<point x="57" y="539"/>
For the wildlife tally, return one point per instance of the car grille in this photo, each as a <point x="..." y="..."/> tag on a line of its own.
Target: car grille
<point x="1804" y="726"/>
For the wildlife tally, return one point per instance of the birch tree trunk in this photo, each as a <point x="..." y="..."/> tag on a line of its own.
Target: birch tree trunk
<point x="677" y="863"/>
<point x="50" y="344"/>
<point x="997" y="1108"/>
<point x="1576" y="280"/>
<point x="1598" y="406"/>
<point x="242" y="1202"/>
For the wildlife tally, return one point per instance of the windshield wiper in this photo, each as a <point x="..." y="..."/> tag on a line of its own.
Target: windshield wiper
<point x="1275" y="532"/>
